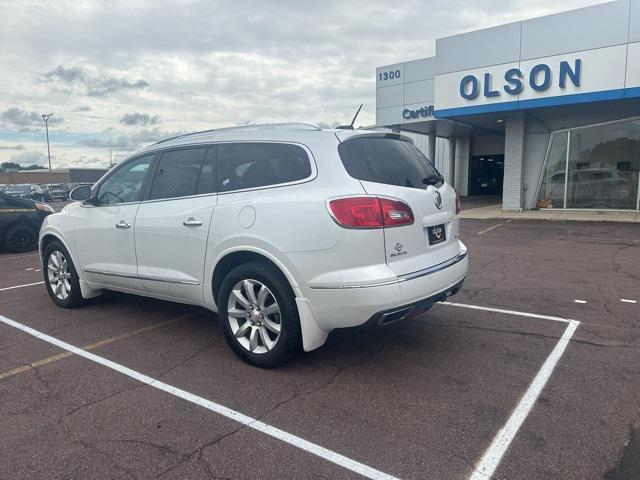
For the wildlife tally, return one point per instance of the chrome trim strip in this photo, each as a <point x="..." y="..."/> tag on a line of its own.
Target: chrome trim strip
<point x="138" y="277"/>
<point x="110" y="274"/>
<point x="402" y="278"/>
<point x="165" y="280"/>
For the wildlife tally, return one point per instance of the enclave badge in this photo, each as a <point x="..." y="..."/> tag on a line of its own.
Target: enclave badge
<point x="437" y="199"/>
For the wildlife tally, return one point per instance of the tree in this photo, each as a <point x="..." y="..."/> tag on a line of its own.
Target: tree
<point x="34" y="166"/>
<point x="10" y="166"/>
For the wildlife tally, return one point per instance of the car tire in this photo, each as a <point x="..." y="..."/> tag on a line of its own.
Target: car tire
<point x="20" y="238"/>
<point x="262" y="339"/>
<point x="60" y="276"/>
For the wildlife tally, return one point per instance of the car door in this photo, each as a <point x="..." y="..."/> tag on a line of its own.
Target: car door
<point x="7" y="216"/>
<point x="104" y="241"/>
<point x="172" y="224"/>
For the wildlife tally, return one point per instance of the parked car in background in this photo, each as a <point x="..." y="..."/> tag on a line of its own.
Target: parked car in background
<point x="20" y="222"/>
<point x="287" y="231"/>
<point x="27" y="190"/>
<point x="58" y="192"/>
<point x="71" y="186"/>
<point x="45" y="192"/>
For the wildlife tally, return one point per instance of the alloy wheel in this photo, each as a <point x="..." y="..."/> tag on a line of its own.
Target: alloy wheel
<point x="59" y="275"/>
<point x="254" y="316"/>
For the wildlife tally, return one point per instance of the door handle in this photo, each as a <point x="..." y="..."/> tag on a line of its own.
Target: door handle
<point x="192" y="222"/>
<point x="123" y="225"/>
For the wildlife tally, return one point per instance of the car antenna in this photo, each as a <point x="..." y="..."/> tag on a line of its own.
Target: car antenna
<point x="350" y="126"/>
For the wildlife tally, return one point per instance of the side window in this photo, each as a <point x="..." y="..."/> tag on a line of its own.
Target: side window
<point x="125" y="184"/>
<point x="208" y="181"/>
<point x="177" y="173"/>
<point x="251" y="165"/>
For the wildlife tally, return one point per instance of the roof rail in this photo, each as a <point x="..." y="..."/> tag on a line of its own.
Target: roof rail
<point x="248" y="128"/>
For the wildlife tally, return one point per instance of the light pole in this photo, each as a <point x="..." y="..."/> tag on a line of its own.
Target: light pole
<point x="45" y="117"/>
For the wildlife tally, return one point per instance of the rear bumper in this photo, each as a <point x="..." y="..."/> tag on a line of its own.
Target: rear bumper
<point x="354" y="305"/>
<point x="405" y="311"/>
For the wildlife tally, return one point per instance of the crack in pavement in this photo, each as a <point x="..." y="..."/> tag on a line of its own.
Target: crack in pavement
<point x="92" y="447"/>
<point x="188" y="456"/>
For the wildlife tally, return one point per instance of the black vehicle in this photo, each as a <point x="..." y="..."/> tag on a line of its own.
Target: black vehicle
<point x="27" y="190"/>
<point x="20" y="222"/>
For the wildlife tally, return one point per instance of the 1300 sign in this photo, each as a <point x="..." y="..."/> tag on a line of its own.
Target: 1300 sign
<point x="389" y="75"/>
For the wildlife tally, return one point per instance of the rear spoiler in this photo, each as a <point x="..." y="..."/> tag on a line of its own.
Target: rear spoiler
<point x="395" y="136"/>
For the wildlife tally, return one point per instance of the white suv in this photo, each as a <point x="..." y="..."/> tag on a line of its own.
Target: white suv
<point x="287" y="231"/>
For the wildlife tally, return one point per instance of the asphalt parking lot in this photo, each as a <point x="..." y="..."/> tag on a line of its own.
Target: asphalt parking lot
<point x="446" y="395"/>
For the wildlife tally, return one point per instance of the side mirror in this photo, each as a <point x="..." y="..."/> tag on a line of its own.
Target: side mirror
<point x="81" y="193"/>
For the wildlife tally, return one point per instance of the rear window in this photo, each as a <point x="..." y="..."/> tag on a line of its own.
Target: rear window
<point x="388" y="160"/>
<point x="252" y="165"/>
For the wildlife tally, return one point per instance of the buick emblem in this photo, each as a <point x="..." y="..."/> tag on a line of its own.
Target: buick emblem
<point x="437" y="199"/>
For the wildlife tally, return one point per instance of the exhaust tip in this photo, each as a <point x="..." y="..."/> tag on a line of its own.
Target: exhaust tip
<point x="395" y="316"/>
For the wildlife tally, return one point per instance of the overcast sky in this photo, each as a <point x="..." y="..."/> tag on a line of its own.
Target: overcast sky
<point x="121" y="74"/>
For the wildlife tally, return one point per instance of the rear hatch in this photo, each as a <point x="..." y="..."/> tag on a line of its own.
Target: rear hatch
<point x="389" y="165"/>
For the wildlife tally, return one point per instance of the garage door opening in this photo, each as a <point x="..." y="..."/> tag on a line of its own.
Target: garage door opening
<point x="486" y="173"/>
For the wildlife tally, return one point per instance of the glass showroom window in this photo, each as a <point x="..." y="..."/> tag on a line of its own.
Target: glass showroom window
<point x="601" y="171"/>
<point x="551" y="193"/>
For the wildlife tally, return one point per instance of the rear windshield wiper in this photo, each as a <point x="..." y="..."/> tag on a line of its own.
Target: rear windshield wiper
<point x="433" y="180"/>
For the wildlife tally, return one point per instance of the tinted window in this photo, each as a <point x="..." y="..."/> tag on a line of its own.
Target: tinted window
<point x="251" y="165"/>
<point x="177" y="173"/>
<point x="208" y="181"/>
<point x="387" y="160"/>
<point x="125" y="184"/>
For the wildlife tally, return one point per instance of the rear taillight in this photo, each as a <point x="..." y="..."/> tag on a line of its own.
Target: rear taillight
<point x="43" y="207"/>
<point x="395" y="212"/>
<point x="458" y="205"/>
<point x="370" y="212"/>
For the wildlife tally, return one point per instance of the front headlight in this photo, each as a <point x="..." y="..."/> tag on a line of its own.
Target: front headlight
<point x="43" y="207"/>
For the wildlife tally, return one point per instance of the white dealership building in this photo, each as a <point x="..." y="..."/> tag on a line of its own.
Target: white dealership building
<point x="545" y="112"/>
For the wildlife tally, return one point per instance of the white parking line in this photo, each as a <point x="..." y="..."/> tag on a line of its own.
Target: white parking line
<point x="20" y="286"/>
<point x="250" y="422"/>
<point x="482" y="232"/>
<point x="488" y="229"/>
<point x="626" y="300"/>
<point x="580" y="301"/>
<point x="492" y="457"/>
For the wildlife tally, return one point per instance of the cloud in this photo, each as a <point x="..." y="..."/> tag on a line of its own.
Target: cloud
<point x="11" y="147"/>
<point x="257" y="62"/>
<point x="105" y="86"/>
<point x="130" y="142"/>
<point x="24" y="120"/>
<point x="30" y="158"/>
<point x="67" y="75"/>
<point x="142" y="119"/>
<point x="93" y="85"/>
